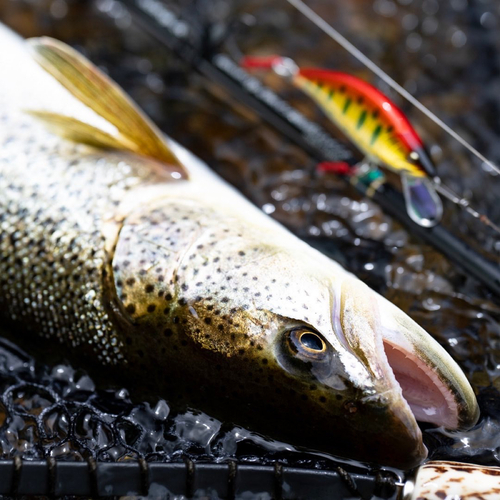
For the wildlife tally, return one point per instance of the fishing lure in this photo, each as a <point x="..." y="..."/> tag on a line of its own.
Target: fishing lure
<point x="379" y="129"/>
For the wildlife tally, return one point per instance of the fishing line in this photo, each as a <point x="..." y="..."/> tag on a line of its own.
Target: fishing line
<point x="355" y="52"/>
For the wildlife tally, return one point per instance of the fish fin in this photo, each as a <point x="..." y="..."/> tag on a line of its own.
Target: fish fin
<point x="76" y="130"/>
<point x="136" y="132"/>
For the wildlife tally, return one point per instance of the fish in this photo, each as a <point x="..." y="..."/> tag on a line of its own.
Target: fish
<point x="121" y="248"/>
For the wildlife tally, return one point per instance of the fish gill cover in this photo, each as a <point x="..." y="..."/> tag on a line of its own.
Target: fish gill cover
<point x="446" y="54"/>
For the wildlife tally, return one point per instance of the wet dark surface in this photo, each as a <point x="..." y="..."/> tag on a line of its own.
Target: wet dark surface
<point x="446" y="53"/>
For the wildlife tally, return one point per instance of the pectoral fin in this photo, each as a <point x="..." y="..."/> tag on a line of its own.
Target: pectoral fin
<point x="135" y="131"/>
<point x="78" y="131"/>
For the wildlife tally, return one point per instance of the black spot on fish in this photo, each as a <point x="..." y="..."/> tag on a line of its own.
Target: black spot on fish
<point x="151" y="308"/>
<point x="149" y="288"/>
<point x="131" y="308"/>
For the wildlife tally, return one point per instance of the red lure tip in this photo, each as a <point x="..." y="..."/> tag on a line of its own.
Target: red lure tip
<point x="334" y="167"/>
<point x="260" y="62"/>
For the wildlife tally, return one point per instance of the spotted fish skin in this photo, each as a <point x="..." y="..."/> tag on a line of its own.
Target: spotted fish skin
<point x="188" y="290"/>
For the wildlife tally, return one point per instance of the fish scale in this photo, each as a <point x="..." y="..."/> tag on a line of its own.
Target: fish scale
<point x="55" y="240"/>
<point x="137" y="258"/>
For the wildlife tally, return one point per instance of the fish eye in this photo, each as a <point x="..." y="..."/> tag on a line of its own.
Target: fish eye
<point x="312" y="341"/>
<point x="305" y="353"/>
<point x="307" y="341"/>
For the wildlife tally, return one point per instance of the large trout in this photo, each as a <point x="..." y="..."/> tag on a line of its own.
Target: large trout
<point x="127" y="250"/>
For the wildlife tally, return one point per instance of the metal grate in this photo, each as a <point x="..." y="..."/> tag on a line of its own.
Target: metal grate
<point x="189" y="479"/>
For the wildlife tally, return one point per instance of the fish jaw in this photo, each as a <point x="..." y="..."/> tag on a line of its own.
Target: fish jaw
<point x="410" y="370"/>
<point x="431" y="366"/>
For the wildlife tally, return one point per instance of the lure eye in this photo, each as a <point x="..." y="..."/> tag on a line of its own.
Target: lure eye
<point x="307" y="342"/>
<point x="414" y="156"/>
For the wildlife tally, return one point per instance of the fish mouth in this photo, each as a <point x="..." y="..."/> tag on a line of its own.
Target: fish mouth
<point x="435" y="388"/>
<point x="430" y="400"/>
<point x="423" y="380"/>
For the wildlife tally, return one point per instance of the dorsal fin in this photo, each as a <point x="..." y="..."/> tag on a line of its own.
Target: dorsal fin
<point x="135" y="131"/>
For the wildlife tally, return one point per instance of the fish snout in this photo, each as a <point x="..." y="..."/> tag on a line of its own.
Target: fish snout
<point x="415" y="374"/>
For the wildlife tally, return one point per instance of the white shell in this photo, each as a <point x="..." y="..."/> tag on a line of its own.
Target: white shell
<point x="454" y="481"/>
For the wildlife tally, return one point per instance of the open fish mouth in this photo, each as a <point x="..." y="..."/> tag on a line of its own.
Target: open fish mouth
<point x="420" y="379"/>
<point x="429" y="398"/>
<point x="432" y="383"/>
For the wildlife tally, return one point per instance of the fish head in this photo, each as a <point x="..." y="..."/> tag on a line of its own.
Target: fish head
<point x="256" y="327"/>
<point x="349" y="371"/>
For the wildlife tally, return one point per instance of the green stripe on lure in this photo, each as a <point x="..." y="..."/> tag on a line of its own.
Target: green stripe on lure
<point x="375" y="124"/>
<point x="125" y="251"/>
